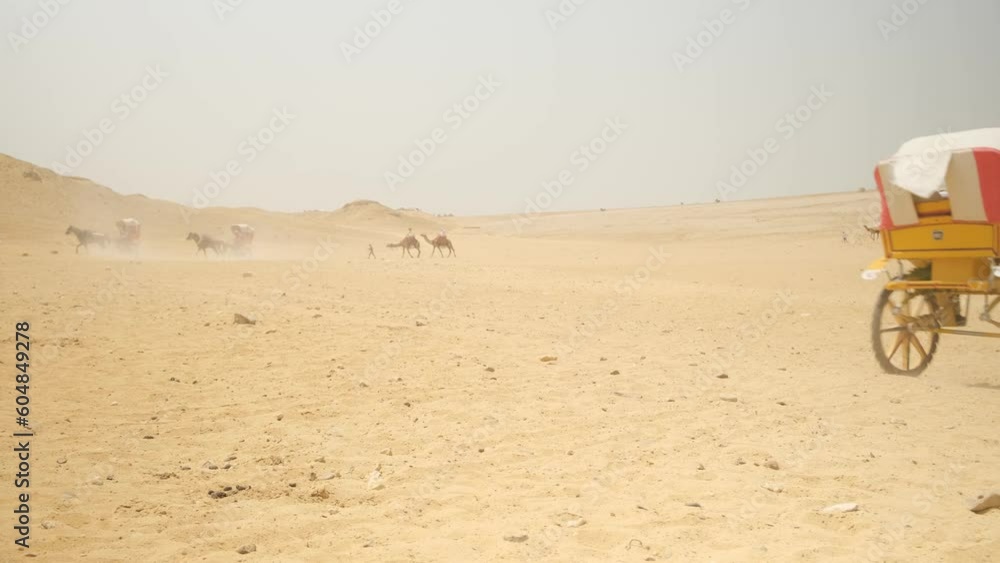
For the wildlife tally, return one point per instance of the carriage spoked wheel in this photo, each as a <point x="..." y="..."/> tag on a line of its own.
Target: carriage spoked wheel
<point x="903" y="334"/>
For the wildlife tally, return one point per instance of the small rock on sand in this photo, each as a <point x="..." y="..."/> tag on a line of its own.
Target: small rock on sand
<point x="729" y="398"/>
<point x="570" y="520"/>
<point x="242" y="320"/>
<point x="840" y="508"/>
<point x="375" y="481"/>
<point x="985" y="502"/>
<point x="249" y="548"/>
<point x="771" y="464"/>
<point x="548" y="358"/>
<point x="773" y="487"/>
<point x="516" y="539"/>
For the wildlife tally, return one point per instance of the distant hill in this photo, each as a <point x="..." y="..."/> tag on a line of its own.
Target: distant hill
<point x="40" y="204"/>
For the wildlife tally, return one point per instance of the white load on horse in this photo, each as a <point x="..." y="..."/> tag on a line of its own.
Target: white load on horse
<point x="129" y="233"/>
<point x="243" y="238"/>
<point x="129" y="228"/>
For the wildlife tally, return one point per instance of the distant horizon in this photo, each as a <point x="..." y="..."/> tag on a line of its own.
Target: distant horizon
<point x="488" y="109"/>
<point x="446" y="214"/>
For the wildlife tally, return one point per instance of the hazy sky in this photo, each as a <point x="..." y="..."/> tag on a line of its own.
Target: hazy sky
<point x="340" y="110"/>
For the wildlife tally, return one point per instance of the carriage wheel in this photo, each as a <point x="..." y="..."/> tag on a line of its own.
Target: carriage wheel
<point x="902" y="334"/>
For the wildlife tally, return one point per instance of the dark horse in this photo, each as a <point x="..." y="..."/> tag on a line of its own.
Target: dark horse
<point x="85" y="238"/>
<point x="205" y="242"/>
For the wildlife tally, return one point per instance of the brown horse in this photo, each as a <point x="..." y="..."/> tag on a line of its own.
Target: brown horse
<point x="85" y="238"/>
<point x="205" y="242"/>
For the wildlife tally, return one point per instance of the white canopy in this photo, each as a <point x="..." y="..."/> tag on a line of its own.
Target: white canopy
<point x="921" y="165"/>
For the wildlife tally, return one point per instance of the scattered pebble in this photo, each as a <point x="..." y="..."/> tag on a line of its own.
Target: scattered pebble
<point x="375" y="481"/>
<point x="701" y="467"/>
<point x="249" y="548"/>
<point x="693" y="504"/>
<point x="281" y="416"/>
<point x="722" y="376"/>
<point x="616" y="372"/>
<point x="773" y="487"/>
<point x="771" y="464"/>
<point x="570" y="520"/>
<point x="491" y="370"/>
<point x="516" y="539"/>
<point x="729" y="398"/>
<point x="985" y="502"/>
<point x="242" y="320"/>
<point x="840" y="508"/>
<point x="387" y="451"/>
<point x="549" y="358"/>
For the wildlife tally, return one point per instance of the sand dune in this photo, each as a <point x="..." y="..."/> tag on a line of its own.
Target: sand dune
<point x="398" y="409"/>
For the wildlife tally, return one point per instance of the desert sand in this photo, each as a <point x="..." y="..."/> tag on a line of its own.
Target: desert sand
<point x="708" y="389"/>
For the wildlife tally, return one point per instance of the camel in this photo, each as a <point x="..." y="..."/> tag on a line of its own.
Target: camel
<point x="873" y="232"/>
<point x="408" y="243"/>
<point x="439" y="242"/>
<point x="205" y="242"/>
<point x="85" y="238"/>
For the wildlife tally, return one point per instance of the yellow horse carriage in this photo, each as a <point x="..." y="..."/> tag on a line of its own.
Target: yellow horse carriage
<point x="941" y="234"/>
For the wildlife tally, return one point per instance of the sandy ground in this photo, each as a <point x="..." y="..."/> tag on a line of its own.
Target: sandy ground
<point x="398" y="409"/>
